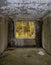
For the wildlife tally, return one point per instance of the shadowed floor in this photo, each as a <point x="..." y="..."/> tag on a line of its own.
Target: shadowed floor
<point x="25" y="56"/>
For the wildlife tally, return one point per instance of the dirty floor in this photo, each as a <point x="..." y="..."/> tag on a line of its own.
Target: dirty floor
<point x="25" y="56"/>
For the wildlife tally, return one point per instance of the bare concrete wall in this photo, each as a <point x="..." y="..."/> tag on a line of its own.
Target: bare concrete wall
<point x="46" y="34"/>
<point x="3" y="33"/>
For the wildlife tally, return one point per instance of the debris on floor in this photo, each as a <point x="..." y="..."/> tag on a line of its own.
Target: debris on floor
<point x="41" y="53"/>
<point x="25" y="56"/>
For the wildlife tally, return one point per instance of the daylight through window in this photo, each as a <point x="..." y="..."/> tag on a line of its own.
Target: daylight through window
<point x="25" y="30"/>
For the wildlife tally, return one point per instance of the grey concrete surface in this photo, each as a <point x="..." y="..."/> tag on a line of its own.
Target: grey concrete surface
<point x="25" y="56"/>
<point x="3" y="34"/>
<point x="46" y="33"/>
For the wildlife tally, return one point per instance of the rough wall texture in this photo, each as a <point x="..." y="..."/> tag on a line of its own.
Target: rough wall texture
<point x="38" y="38"/>
<point x="10" y="32"/>
<point x="3" y="33"/>
<point x="46" y="34"/>
<point x="25" y="8"/>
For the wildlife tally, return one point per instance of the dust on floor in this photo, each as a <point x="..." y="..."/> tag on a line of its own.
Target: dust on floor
<point x="25" y="56"/>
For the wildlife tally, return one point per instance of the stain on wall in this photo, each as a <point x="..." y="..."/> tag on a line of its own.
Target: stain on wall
<point x="46" y="33"/>
<point x="3" y="33"/>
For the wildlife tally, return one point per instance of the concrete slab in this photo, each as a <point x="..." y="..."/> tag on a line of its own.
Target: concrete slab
<point x="25" y="56"/>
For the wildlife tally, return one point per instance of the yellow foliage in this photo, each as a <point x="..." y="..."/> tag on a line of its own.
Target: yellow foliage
<point x="25" y="30"/>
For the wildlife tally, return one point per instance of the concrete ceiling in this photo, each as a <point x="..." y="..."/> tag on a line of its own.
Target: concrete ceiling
<point x="25" y="8"/>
